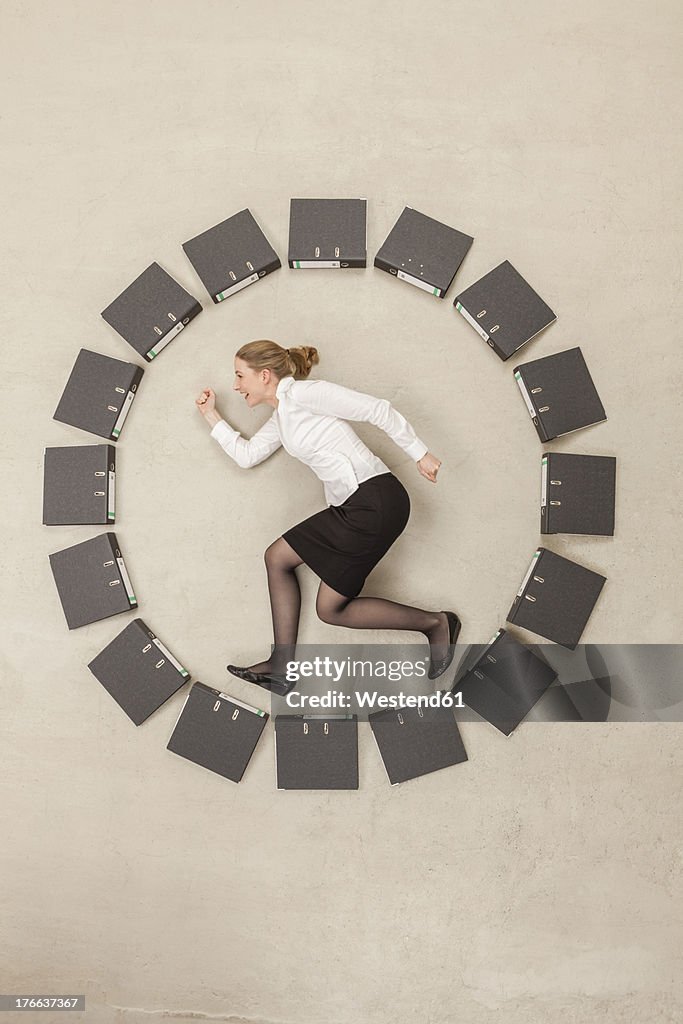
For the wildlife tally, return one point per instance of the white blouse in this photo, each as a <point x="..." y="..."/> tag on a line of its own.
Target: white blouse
<point x="310" y="424"/>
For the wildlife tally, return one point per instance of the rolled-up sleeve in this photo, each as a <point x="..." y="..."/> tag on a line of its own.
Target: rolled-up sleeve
<point x="248" y="452"/>
<point x="329" y="399"/>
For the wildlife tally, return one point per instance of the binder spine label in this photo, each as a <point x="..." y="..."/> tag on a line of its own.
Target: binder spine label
<point x="525" y="395"/>
<point x="111" y="496"/>
<point x="236" y="287"/>
<point x="169" y="657"/>
<point x="470" y="320"/>
<point x="544" y="482"/>
<point x="312" y="264"/>
<point x="240" y="704"/>
<point x="132" y="600"/>
<point x="163" y="342"/>
<point x="125" y="409"/>
<point x="529" y="572"/>
<point x="180" y="713"/>
<point x="424" y="285"/>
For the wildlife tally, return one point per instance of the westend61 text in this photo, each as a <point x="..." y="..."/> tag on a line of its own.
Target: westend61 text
<point x="372" y="699"/>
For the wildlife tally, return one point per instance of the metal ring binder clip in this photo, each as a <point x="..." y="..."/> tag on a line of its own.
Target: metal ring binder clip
<point x="336" y="251"/>
<point x="235" y="714"/>
<point x="98" y="494"/>
<point x="250" y="265"/>
<point x="326" y="728"/>
<point x="528" y="597"/>
<point x="112" y="408"/>
<point x="158" y="330"/>
<point x="478" y="674"/>
<point x="556" y="482"/>
<point x="420" y="712"/>
<point x="100" y="472"/>
<point x="480" y="315"/>
<point x="539" y="579"/>
<point x="233" y="276"/>
<point x="494" y="329"/>
<point x="172" y="317"/>
<point x="490" y="657"/>
<point x="114" y="583"/>
<point x="121" y="391"/>
<point x="305" y="728"/>
<point x="160" y="663"/>
<point x="400" y="718"/>
<point x="317" y="251"/>
<point x="555" y="502"/>
<point x="110" y="562"/>
<point x="147" y="647"/>
<point x="544" y="408"/>
<point x="216" y="705"/>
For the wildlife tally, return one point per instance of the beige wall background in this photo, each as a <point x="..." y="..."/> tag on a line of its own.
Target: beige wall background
<point x="540" y="881"/>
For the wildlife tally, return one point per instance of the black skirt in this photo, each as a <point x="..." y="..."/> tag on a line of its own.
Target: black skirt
<point x="343" y="543"/>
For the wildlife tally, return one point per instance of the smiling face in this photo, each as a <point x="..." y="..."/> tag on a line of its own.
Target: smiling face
<point x="255" y="386"/>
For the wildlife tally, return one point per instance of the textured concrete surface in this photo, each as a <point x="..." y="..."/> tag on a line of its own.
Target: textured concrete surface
<point x="540" y="881"/>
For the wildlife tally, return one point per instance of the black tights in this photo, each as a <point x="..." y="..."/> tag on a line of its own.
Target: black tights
<point x="354" y="612"/>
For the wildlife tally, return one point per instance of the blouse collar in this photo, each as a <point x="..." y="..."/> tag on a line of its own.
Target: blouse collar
<point x="283" y="385"/>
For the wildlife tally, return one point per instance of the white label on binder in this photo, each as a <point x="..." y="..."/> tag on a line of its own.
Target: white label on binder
<point x="525" y="394"/>
<point x="529" y="572"/>
<point x="126" y="581"/>
<point x="176" y="664"/>
<point x="240" y="704"/>
<point x="470" y="320"/>
<point x="313" y="264"/>
<point x="183" y="708"/>
<point x="493" y="639"/>
<point x="544" y="481"/>
<point x="236" y="287"/>
<point x="125" y="408"/>
<point x="424" y="285"/>
<point x="163" y="342"/>
<point x="111" y="500"/>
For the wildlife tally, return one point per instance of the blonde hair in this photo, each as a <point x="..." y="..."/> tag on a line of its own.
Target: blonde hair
<point x="284" y="362"/>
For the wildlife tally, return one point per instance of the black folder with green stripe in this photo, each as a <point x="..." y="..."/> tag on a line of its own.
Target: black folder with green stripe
<point x="79" y="485"/>
<point x="92" y="580"/>
<point x="151" y="311"/>
<point x="99" y="394"/>
<point x="139" y="671"/>
<point x="217" y="731"/>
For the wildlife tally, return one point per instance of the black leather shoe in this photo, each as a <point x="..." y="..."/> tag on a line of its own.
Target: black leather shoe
<point x="271" y="682"/>
<point x="438" y="667"/>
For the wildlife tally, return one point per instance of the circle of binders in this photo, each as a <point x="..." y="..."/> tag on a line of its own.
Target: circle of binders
<point x="152" y="311"/>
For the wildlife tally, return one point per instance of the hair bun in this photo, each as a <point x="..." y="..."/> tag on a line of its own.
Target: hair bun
<point x="303" y="357"/>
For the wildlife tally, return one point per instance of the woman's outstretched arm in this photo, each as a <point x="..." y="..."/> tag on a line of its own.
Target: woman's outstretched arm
<point x="245" y="452"/>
